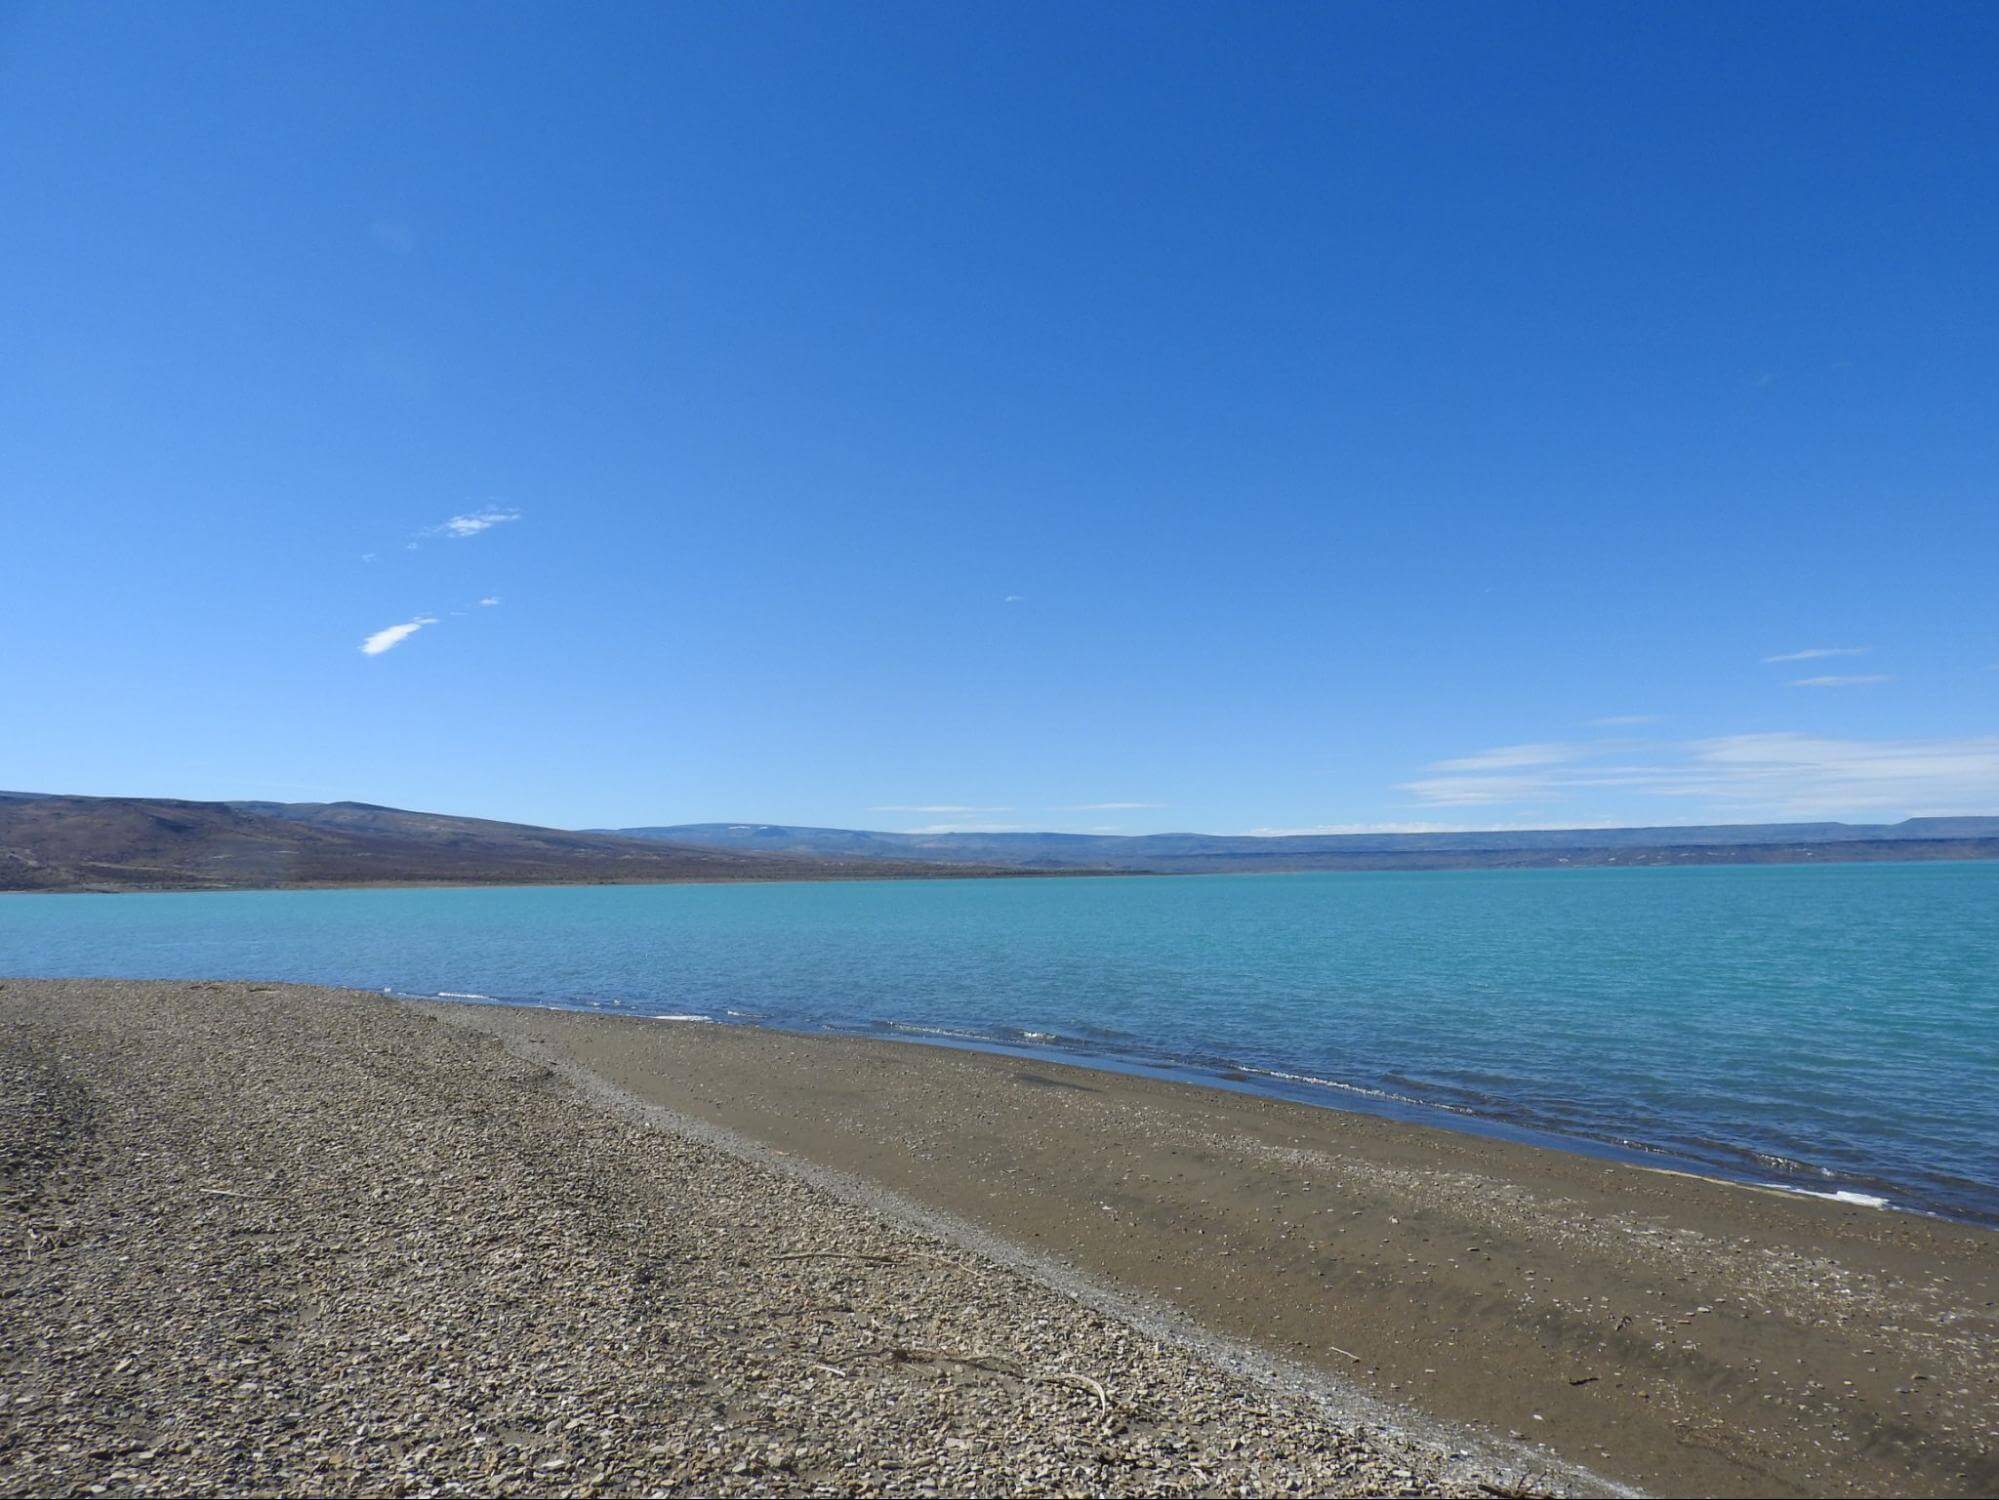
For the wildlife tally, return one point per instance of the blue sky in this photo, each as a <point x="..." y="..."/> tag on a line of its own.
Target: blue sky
<point x="1117" y="416"/>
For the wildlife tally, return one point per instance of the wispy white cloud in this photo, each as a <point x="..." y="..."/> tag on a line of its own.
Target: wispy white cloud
<point x="1014" y="599"/>
<point x="1513" y="757"/>
<point x="394" y="635"/>
<point x="1478" y="791"/>
<point x="969" y="828"/>
<point x="474" y="522"/>
<point x="1776" y="775"/>
<point x="1813" y="774"/>
<point x="935" y="807"/>
<point x="959" y="809"/>
<point x="489" y="601"/>
<point x="1858" y="679"/>
<point x="1624" y="721"/>
<point x="1325" y="830"/>
<point x="1818" y="653"/>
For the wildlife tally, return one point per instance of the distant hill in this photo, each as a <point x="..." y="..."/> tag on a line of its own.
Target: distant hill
<point x="60" y="843"/>
<point x="57" y="843"/>
<point x="1192" y="853"/>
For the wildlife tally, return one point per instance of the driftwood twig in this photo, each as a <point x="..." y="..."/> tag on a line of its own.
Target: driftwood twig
<point x="995" y="1362"/>
<point x="1003" y="1365"/>
<point x="884" y="1260"/>
<point x="1078" y="1382"/>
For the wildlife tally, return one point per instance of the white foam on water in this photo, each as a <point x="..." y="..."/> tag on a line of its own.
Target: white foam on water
<point x="950" y="1031"/>
<point x="460" y="995"/>
<point x="1350" y="1088"/>
<point x="680" y="1018"/>
<point x="1844" y="1195"/>
<point x="1324" y="1083"/>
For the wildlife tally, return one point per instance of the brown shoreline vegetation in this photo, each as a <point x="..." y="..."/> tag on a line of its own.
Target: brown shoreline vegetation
<point x="276" y="1239"/>
<point x="267" y="1239"/>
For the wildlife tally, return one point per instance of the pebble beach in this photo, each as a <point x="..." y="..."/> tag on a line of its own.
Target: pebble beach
<point x="266" y="1239"/>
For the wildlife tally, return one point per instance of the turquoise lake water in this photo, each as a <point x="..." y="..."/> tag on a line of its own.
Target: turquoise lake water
<point x="1834" y="1029"/>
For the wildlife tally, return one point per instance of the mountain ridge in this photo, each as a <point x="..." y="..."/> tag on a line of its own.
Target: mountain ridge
<point x="1165" y="853"/>
<point x="56" y="842"/>
<point x="52" y="842"/>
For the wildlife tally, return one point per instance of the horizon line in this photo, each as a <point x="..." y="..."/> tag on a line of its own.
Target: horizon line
<point x="1324" y="831"/>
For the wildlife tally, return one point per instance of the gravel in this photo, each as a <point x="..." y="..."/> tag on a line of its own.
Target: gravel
<point x="275" y="1239"/>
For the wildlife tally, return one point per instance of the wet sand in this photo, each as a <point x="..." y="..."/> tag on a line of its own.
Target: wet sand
<point x="1675" y="1333"/>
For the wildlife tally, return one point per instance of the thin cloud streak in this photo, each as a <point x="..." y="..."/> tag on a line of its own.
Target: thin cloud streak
<point x="1817" y="653"/>
<point x="474" y="522"/>
<point x="1858" y="679"/>
<point x="1330" y="830"/>
<point x="1511" y="757"/>
<point x="394" y="635"/>
<point x="1777" y="775"/>
<point x="936" y="807"/>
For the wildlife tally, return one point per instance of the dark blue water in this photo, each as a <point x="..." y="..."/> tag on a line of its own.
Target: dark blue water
<point x="1828" y="1028"/>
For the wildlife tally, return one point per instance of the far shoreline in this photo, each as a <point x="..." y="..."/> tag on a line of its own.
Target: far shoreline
<point x="892" y="877"/>
<point x="952" y="875"/>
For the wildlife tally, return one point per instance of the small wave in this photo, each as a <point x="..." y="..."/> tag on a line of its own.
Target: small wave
<point x="1790" y="1165"/>
<point x="1353" y="1088"/>
<point x="680" y="1018"/>
<point x="1643" y="1148"/>
<point x="950" y="1031"/>
<point x="1840" y="1195"/>
<point x="460" y="995"/>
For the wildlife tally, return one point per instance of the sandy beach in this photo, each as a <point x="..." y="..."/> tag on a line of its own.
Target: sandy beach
<point x="270" y="1238"/>
<point x="1674" y="1333"/>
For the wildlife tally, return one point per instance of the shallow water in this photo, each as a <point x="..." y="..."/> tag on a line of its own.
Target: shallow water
<point x="1829" y="1028"/>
